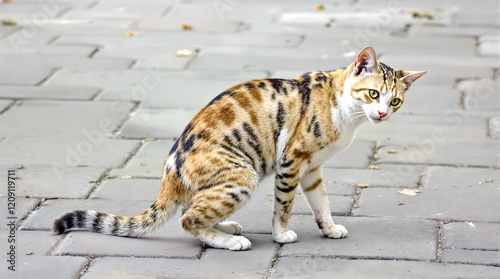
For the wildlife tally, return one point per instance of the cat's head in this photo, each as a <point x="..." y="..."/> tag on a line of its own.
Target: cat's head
<point x="375" y="88"/>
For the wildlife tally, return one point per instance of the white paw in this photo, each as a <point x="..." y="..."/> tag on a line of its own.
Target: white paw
<point x="229" y="227"/>
<point x="238" y="243"/>
<point x="337" y="231"/>
<point x="286" y="237"/>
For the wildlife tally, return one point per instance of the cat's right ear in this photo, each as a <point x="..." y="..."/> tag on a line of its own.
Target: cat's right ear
<point x="366" y="62"/>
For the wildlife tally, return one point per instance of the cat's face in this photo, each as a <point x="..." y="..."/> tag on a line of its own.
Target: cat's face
<point x="375" y="88"/>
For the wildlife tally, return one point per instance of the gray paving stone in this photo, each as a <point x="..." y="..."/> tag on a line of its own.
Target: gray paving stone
<point x="123" y="9"/>
<point x="494" y="125"/>
<point x="128" y="189"/>
<point x="48" y="92"/>
<point x="148" y="162"/>
<point x="441" y="151"/>
<point x="99" y="121"/>
<point x="357" y="155"/>
<point x="7" y="30"/>
<point x="453" y="31"/>
<point x="489" y="46"/>
<point x="80" y="243"/>
<point x="378" y="238"/>
<point x="440" y="127"/>
<point x="441" y="197"/>
<point x="187" y="39"/>
<point x="43" y="268"/>
<point x="470" y="65"/>
<point x="46" y="181"/>
<point x="213" y="263"/>
<point x="83" y="51"/>
<point x="48" y="211"/>
<point x="387" y="176"/>
<point x="480" y="95"/>
<point x="211" y="26"/>
<point x="148" y="56"/>
<point x="38" y="243"/>
<point x="471" y="257"/>
<point x="33" y="68"/>
<point x="65" y="151"/>
<point x="417" y="100"/>
<point x="324" y="268"/>
<point x="157" y="123"/>
<point x="22" y="208"/>
<point x="472" y="236"/>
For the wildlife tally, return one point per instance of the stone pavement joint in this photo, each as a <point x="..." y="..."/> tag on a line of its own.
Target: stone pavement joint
<point x="93" y="94"/>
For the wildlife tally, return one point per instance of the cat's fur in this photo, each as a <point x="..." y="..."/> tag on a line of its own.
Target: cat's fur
<point x="286" y="126"/>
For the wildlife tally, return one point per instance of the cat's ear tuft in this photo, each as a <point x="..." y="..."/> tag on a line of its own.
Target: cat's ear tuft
<point x="366" y="62"/>
<point x="411" y="76"/>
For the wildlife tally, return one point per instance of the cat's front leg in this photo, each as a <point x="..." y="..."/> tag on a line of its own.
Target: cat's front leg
<point x="317" y="198"/>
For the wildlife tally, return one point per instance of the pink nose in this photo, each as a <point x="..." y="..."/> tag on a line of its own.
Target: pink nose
<point x="382" y="114"/>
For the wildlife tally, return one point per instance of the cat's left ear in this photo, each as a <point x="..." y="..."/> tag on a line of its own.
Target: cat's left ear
<point x="366" y="62"/>
<point x="410" y="76"/>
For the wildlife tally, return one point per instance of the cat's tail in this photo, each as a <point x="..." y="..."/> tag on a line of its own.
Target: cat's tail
<point x="131" y="226"/>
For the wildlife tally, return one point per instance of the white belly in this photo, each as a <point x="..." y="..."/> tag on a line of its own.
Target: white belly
<point x="334" y="148"/>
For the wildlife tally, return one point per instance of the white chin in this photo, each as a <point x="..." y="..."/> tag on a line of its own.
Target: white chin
<point x="373" y="120"/>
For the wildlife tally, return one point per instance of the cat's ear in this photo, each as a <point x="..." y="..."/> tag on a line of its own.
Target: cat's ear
<point x="366" y="62"/>
<point x="410" y="76"/>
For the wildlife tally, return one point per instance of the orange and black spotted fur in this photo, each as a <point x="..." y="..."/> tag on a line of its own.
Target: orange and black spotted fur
<point x="289" y="127"/>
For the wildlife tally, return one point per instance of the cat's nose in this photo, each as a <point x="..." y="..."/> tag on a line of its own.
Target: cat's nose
<point x="382" y="114"/>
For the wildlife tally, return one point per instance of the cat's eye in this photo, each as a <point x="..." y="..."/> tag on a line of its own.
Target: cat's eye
<point x="373" y="93"/>
<point x="395" y="102"/>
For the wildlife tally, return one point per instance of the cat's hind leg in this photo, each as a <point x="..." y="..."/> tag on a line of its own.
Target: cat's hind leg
<point x="317" y="198"/>
<point x="209" y="207"/>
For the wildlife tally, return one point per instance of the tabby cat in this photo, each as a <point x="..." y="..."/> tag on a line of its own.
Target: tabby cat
<point x="286" y="126"/>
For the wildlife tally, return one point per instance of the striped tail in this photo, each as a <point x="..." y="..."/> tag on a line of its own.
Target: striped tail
<point x="131" y="226"/>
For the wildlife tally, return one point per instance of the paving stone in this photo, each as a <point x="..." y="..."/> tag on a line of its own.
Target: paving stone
<point x="324" y="268"/>
<point x="157" y="123"/>
<point x="7" y="30"/>
<point x="22" y="208"/>
<point x="430" y="99"/>
<point x="148" y="56"/>
<point x="47" y="181"/>
<point x="440" y="150"/>
<point x="128" y="189"/>
<point x="472" y="65"/>
<point x="489" y="46"/>
<point x="197" y="25"/>
<point x="440" y="127"/>
<point x="441" y="197"/>
<point x="357" y="155"/>
<point x="44" y="216"/>
<point x="387" y="176"/>
<point x="305" y="64"/>
<point x="64" y="151"/>
<point x="494" y="125"/>
<point x="148" y="162"/>
<point x="38" y="243"/>
<point x="28" y="68"/>
<point x="81" y="243"/>
<point x="83" y="51"/>
<point x="43" y="268"/>
<point x="471" y="236"/>
<point x="255" y="264"/>
<point x="480" y="94"/>
<point x="48" y="92"/>
<point x="378" y="238"/>
<point x="453" y="31"/>
<point x="471" y="256"/>
<point x="100" y="118"/>
<point x="187" y="39"/>
<point x="123" y="9"/>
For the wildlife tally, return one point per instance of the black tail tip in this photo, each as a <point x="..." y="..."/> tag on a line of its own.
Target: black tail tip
<point x="64" y="223"/>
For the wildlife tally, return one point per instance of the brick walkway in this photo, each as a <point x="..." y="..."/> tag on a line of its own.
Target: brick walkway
<point x="93" y="92"/>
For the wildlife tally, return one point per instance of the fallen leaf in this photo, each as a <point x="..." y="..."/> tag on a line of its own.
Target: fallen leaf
<point x="130" y="34"/>
<point x="186" y="26"/>
<point x="409" y="192"/>
<point x="9" y="22"/>
<point x="363" y="185"/>
<point x="392" y="151"/>
<point x="29" y="253"/>
<point x="373" y="167"/>
<point x="20" y="167"/>
<point x="81" y="166"/>
<point x="401" y="203"/>
<point x="319" y="7"/>
<point x="27" y="197"/>
<point x="471" y="224"/>
<point x="346" y="42"/>
<point x="7" y="1"/>
<point x="183" y="53"/>
<point x="126" y="177"/>
<point x="148" y="139"/>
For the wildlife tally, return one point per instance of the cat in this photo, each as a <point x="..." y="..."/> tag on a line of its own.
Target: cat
<point x="286" y="126"/>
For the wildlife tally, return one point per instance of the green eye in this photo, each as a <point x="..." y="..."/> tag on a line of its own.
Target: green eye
<point x="373" y="93"/>
<point x="395" y="102"/>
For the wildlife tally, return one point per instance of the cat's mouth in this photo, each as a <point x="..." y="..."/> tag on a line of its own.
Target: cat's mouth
<point x="376" y="119"/>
